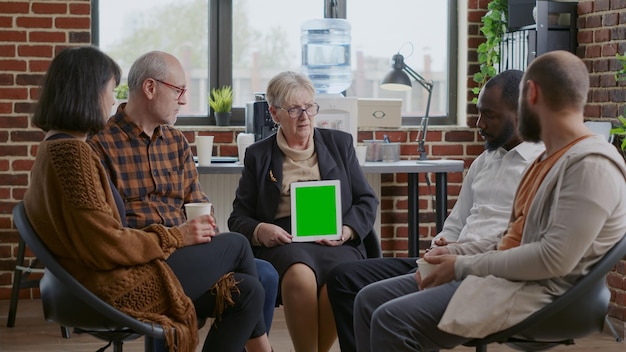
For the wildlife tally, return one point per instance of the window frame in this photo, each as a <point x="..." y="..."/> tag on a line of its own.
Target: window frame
<point x="221" y="68"/>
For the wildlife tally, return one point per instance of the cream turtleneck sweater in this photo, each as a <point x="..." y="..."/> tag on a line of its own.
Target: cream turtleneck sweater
<point x="298" y="165"/>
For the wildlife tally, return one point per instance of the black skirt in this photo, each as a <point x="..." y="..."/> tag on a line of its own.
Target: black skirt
<point x="321" y="259"/>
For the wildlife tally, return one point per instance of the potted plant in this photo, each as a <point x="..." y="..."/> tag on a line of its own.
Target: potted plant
<point x="221" y="102"/>
<point x="121" y="96"/>
<point x="121" y="91"/>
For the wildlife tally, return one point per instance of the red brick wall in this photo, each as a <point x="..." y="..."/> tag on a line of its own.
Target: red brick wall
<point x="602" y="34"/>
<point x="31" y="32"/>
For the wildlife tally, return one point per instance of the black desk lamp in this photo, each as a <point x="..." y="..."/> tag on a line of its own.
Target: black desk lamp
<point x="398" y="80"/>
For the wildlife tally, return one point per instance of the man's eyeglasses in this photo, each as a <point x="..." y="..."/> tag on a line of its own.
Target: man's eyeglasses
<point x="295" y="113"/>
<point x="179" y="90"/>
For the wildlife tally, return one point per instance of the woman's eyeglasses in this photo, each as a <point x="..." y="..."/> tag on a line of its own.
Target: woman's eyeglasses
<point x="310" y="110"/>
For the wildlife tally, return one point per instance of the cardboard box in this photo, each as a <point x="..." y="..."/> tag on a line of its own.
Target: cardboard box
<point x="379" y="112"/>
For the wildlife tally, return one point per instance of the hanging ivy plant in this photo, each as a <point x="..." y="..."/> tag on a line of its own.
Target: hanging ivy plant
<point x="494" y="27"/>
<point x="621" y="73"/>
<point x="620" y="130"/>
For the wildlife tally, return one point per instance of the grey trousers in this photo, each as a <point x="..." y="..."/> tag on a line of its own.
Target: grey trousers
<point x="393" y="315"/>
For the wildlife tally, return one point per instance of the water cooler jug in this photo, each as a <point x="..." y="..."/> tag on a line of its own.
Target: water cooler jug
<point x="326" y="54"/>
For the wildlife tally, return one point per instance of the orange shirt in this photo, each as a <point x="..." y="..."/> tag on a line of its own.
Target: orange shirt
<point x="526" y="193"/>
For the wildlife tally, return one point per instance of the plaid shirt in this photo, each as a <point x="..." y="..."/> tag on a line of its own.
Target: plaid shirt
<point x="155" y="176"/>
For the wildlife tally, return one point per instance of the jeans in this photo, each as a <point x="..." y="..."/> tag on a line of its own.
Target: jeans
<point x="269" y="280"/>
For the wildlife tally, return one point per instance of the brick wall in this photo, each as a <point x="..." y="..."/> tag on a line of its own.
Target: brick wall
<point x="602" y="34"/>
<point x="31" y="32"/>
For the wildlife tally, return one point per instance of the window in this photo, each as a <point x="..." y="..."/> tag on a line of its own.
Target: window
<point x="424" y="32"/>
<point x="245" y="42"/>
<point x="127" y="29"/>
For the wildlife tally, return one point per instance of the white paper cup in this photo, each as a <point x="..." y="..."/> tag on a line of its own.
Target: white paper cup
<point x="243" y="141"/>
<point x="424" y="267"/>
<point x="204" y="146"/>
<point x="361" y="153"/>
<point x="242" y="151"/>
<point x="194" y="210"/>
<point x="245" y="138"/>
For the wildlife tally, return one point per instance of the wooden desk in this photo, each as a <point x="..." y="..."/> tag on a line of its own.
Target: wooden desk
<point x="413" y="168"/>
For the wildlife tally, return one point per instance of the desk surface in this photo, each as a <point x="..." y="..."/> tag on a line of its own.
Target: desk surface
<point x="402" y="166"/>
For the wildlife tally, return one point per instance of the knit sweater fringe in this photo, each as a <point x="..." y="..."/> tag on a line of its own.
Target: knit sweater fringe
<point x="223" y="290"/>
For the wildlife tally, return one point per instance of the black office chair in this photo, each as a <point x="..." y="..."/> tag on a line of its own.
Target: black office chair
<point x="372" y="245"/>
<point x="21" y="280"/>
<point x="580" y="311"/>
<point x="69" y="303"/>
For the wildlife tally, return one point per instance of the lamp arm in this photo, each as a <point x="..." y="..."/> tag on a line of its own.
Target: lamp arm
<point x="422" y="134"/>
<point x="398" y="66"/>
<point x="428" y="85"/>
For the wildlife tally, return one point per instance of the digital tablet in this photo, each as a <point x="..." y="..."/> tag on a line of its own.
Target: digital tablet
<point x="316" y="210"/>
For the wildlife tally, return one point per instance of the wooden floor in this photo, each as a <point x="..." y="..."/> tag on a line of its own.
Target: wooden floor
<point x="33" y="334"/>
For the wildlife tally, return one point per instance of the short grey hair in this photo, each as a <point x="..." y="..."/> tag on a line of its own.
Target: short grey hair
<point x="285" y="85"/>
<point x="148" y="65"/>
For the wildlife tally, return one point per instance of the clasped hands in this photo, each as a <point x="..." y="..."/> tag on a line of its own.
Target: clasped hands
<point x="443" y="272"/>
<point x="270" y="235"/>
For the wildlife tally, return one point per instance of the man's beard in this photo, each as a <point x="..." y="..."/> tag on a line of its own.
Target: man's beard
<point x="529" y="127"/>
<point x="501" y="140"/>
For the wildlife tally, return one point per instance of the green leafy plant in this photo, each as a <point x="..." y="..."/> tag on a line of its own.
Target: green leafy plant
<point x="221" y="99"/>
<point x="620" y="130"/>
<point x="494" y="27"/>
<point x="121" y="91"/>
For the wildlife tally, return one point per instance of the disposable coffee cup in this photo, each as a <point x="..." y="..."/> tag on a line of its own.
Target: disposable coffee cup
<point x="243" y="141"/>
<point x="194" y="210"/>
<point x="424" y="267"/>
<point x="204" y="147"/>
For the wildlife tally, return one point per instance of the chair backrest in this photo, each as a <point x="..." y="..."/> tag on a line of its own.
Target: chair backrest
<point x="602" y="128"/>
<point x="578" y="312"/>
<point x="67" y="301"/>
<point x="372" y="245"/>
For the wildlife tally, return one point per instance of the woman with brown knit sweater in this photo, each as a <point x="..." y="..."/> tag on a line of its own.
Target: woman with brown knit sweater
<point x="76" y="212"/>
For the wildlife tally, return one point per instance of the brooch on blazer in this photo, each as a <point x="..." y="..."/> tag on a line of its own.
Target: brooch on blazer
<point x="272" y="177"/>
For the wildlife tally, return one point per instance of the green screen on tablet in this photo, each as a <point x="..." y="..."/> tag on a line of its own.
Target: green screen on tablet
<point x="316" y="210"/>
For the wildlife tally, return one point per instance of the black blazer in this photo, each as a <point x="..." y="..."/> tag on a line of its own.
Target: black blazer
<point x="259" y="188"/>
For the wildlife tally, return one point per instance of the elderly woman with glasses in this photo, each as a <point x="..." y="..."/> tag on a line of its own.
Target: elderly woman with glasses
<point x="262" y="209"/>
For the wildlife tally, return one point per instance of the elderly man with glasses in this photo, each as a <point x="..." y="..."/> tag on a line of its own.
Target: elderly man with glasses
<point x="151" y="163"/>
